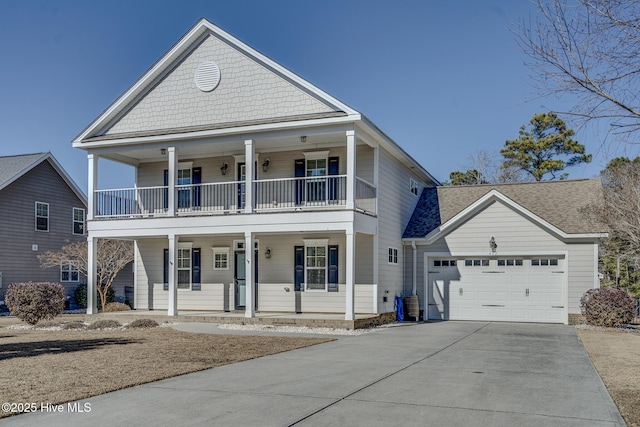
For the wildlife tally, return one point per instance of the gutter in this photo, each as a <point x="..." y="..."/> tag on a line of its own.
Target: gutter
<point x="414" y="278"/>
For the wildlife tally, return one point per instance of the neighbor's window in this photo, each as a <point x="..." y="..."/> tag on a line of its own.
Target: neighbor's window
<point x="42" y="216"/>
<point x="69" y="272"/>
<point x="413" y="186"/>
<point x="78" y="221"/>
<point x="393" y="255"/>
<point x="220" y="258"/>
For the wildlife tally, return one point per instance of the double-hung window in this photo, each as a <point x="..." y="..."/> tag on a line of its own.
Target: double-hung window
<point x="42" y="216"/>
<point x="187" y="266"/>
<point x="316" y="266"/>
<point x="78" y="220"/>
<point x="220" y="258"/>
<point x="393" y="255"/>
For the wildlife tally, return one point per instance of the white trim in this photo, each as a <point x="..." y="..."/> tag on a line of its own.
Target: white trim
<point x="316" y="242"/>
<point x="316" y="155"/>
<point x="185" y="165"/>
<point x="221" y="250"/>
<point x="596" y="258"/>
<point x="35" y="225"/>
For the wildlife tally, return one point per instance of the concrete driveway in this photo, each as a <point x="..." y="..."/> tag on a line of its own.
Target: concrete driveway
<point x="433" y="374"/>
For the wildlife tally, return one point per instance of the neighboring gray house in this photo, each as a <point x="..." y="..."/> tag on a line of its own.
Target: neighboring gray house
<point x="256" y="190"/>
<point x="510" y="252"/>
<point x="41" y="209"/>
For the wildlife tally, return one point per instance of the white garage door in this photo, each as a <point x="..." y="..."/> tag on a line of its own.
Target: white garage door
<point x="512" y="289"/>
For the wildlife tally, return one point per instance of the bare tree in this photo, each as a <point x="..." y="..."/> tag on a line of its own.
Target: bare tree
<point x="113" y="256"/>
<point x="590" y="49"/>
<point x="485" y="167"/>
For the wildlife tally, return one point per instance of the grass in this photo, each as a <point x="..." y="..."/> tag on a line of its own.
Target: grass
<point x="50" y="366"/>
<point x="616" y="355"/>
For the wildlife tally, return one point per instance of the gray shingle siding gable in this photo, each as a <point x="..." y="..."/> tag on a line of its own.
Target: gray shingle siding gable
<point x="18" y="262"/>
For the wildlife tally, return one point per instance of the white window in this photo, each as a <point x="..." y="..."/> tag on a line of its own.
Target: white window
<point x="42" y="216"/>
<point x="69" y="272"/>
<point x="220" y="258"/>
<point x="413" y="186"/>
<point x="393" y="255"/>
<point x="78" y="220"/>
<point x="184" y="266"/>
<point x="315" y="262"/>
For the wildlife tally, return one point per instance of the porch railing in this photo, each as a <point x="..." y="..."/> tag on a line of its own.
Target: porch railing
<point x="229" y="197"/>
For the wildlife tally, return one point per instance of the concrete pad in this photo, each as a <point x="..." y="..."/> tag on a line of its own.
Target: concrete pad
<point x="448" y="373"/>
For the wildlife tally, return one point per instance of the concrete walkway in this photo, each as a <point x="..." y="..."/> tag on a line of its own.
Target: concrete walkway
<point x="444" y="374"/>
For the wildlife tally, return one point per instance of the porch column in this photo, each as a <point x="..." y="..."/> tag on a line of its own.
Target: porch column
<point x="173" y="276"/>
<point x="250" y="289"/>
<point x="92" y="259"/>
<point x="351" y="169"/>
<point x="249" y="174"/>
<point x="349" y="313"/>
<point x="92" y="184"/>
<point x="375" y="272"/>
<point x="171" y="181"/>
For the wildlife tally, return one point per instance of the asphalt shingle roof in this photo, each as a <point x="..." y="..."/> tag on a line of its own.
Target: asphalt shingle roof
<point x="557" y="202"/>
<point x="13" y="166"/>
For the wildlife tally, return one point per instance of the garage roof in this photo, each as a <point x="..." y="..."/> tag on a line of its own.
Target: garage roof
<point x="557" y="202"/>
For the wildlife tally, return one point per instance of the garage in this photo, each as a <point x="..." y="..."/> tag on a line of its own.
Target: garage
<point x="508" y="288"/>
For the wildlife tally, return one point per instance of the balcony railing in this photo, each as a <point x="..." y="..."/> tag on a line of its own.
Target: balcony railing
<point x="287" y="194"/>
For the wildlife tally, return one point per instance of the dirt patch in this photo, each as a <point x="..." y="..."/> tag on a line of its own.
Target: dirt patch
<point x="615" y="355"/>
<point x="45" y="366"/>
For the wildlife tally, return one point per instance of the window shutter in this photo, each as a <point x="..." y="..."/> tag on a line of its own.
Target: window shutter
<point x="300" y="172"/>
<point x="165" y="278"/>
<point x="299" y="268"/>
<point x="166" y="190"/>
<point x="333" y="268"/>
<point x="195" y="269"/>
<point x="196" y="179"/>
<point x="334" y="169"/>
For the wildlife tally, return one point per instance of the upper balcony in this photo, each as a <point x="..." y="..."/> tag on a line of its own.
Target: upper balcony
<point x="269" y="195"/>
<point x="326" y="171"/>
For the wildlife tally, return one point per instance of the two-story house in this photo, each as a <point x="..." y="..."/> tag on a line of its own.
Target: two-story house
<point x="254" y="189"/>
<point x="41" y="209"/>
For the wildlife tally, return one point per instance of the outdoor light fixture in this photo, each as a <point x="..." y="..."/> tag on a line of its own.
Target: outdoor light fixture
<point x="265" y="165"/>
<point x="303" y="138"/>
<point x="493" y="245"/>
<point x="223" y="169"/>
<point x="163" y="151"/>
<point x="267" y="252"/>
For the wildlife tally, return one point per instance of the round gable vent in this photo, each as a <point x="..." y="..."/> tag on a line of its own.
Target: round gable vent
<point x="207" y="76"/>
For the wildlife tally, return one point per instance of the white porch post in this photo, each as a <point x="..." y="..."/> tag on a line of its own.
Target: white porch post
<point x="349" y="313"/>
<point x="250" y="289"/>
<point x="351" y="169"/>
<point x="249" y="173"/>
<point x="92" y="184"/>
<point x="376" y="297"/>
<point x="172" y="172"/>
<point x="173" y="275"/>
<point x="92" y="258"/>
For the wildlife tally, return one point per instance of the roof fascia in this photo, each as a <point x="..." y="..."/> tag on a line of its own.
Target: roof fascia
<point x="191" y="37"/>
<point x="67" y="179"/>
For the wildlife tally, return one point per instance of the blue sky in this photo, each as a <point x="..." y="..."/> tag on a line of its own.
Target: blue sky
<point x="444" y="79"/>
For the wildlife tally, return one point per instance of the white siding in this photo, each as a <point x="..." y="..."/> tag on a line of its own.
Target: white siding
<point x="395" y="206"/>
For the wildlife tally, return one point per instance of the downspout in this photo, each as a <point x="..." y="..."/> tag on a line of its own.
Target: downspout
<point x="414" y="278"/>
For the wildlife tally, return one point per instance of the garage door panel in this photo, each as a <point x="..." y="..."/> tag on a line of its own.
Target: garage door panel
<point x="519" y="291"/>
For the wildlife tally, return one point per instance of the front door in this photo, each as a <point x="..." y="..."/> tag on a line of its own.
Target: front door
<point x="239" y="272"/>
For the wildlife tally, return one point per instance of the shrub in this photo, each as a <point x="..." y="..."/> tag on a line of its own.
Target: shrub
<point x="143" y="323"/>
<point x="35" y="301"/>
<point x="73" y="325"/>
<point x="607" y="307"/>
<point x="116" y="306"/>
<point x="104" y="324"/>
<point x="80" y="295"/>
